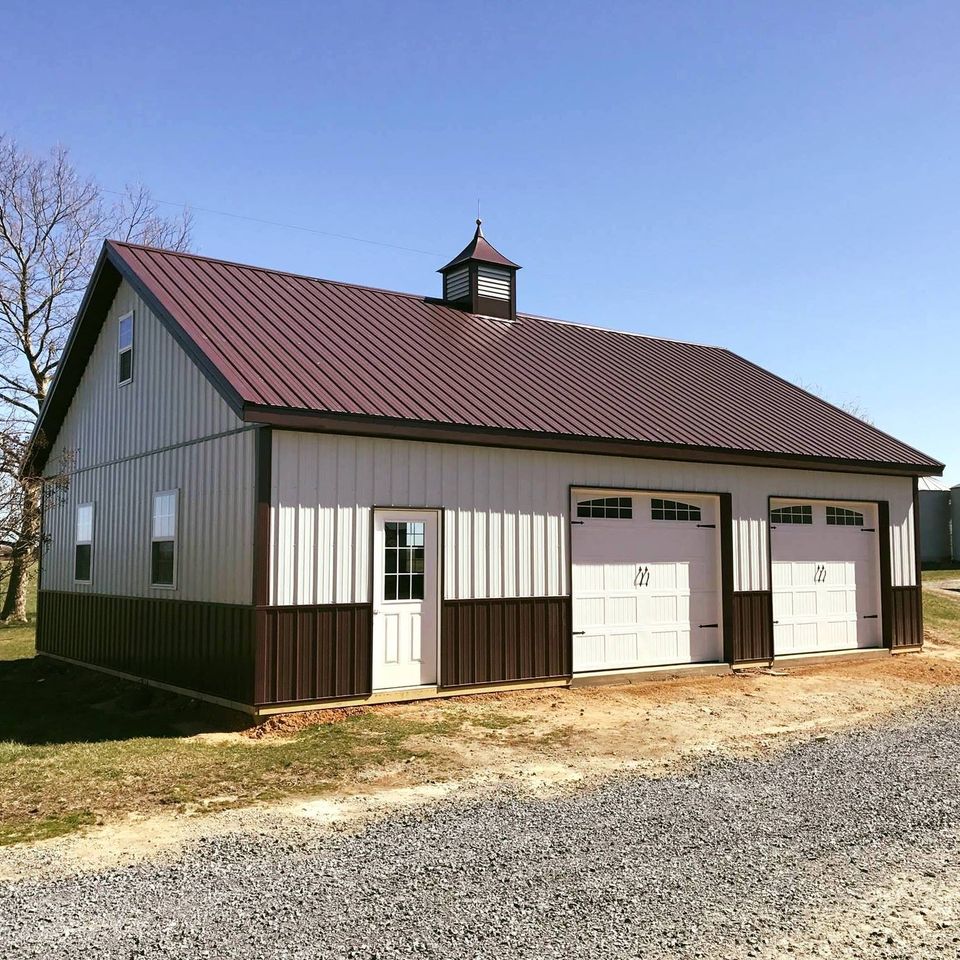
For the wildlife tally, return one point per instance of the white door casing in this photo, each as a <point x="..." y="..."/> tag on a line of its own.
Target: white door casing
<point x="645" y="591"/>
<point x="826" y="581"/>
<point x="405" y="598"/>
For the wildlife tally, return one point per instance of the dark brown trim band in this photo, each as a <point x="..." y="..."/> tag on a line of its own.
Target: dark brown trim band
<point x="307" y="654"/>
<point x="261" y="525"/>
<point x="752" y="634"/>
<point x="206" y="647"/>
<point x="907" y="617"/>
<point x="389" y="428"/>
<point x="502" y="640"/>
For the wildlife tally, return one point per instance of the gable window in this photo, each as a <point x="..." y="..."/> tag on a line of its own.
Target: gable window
<point x="842" y="517"/>
<point x="83" y="550"/>
<point x="673" y="510"/>
<point x="163" y="545"/>
<point x="125" y="349"/>
<point x="607" y="508"/>
<point x="799" y="513"/>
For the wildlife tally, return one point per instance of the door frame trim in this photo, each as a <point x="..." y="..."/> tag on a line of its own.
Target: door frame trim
<point x="439" y="513"/>
<point x="724" y="541"/>
<point x="885" y="571"/>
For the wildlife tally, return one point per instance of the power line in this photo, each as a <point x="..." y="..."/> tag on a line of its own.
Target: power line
<point x="286" y="226"/>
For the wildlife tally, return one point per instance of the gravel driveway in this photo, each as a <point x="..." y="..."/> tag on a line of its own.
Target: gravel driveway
<point x="840" y="847"/>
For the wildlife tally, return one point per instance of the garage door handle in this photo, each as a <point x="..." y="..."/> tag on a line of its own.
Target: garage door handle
<point x="703" y="626"/>
<point x="579" y="633"/>
<point x="868" y="529"/>
<point x="870" y="616"/>
<point x="712" y="526"/>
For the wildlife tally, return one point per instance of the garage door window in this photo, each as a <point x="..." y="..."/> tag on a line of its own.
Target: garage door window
<point x="673" y="510"/>
<point x="606" y="508"/>
<point x="842" y="517"/>
<point x="793" y="514"/>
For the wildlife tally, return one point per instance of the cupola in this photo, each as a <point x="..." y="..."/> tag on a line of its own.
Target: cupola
<point x="481" y="280"/>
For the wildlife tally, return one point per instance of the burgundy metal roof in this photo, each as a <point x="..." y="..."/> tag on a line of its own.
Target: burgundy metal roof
<point x="287" y="341"/>
<point x="480" y="249"/>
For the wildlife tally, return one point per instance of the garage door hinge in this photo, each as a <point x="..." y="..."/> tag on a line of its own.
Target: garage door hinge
<point x="579" y="633"/>
<point x="712" y="526"/>
<point x="579" y="523"/>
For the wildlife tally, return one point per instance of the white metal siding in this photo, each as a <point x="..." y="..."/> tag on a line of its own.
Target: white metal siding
<point x="215" y="523"/>
<point x="493" y="282"/>
<point x="169" y="400"/>
<point x="457" y="284"/>
<point x="505" y="516"/>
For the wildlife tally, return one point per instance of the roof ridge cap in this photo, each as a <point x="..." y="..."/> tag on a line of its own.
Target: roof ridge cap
<point x="262" y="269"/>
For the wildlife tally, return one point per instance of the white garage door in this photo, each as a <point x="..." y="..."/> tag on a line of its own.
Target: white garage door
<point x="826" y="576"/>
<point x="646" y="580"/>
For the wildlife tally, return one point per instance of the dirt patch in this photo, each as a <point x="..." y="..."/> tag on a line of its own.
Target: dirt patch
<point x="288" y="724"/>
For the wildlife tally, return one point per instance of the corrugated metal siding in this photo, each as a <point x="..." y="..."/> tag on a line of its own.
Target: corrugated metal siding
<point x="752" y="627"/>
<point x="506" y="512"/>
<point x="207" y="647"/>
<point x="498" y="641"/>
<point x="313" y="653"/>
<point x="296" y="342"/>
<point x="169" y="400"/>
<point x="907" y="618"/>
<point x="216" y="482"/>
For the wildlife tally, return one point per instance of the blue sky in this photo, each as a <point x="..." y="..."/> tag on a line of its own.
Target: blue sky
<point x="779" y="178"/>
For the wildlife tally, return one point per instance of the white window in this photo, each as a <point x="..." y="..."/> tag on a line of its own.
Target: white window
<point x="125" y="349"/>
<point x="83" y="550"/>
<point x="163" y="545"/>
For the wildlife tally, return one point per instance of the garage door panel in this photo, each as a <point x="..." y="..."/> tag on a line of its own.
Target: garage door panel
<point x="825" y="580"/>
<point x="644" y="586"/>
<point x="619" y="610"/>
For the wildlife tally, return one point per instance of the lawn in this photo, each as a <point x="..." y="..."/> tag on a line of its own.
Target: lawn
<point x="78" y="747"/>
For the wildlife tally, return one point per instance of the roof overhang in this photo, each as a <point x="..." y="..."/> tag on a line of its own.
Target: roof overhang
<point x="349" y="424"/>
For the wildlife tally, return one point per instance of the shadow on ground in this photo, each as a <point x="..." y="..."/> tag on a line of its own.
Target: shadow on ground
<point x="47" y="702"/>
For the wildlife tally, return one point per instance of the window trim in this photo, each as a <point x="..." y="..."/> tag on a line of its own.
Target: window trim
<point x="77" y="542"/>
<point x="175" y="539"/>
<point x="129" y="315"/>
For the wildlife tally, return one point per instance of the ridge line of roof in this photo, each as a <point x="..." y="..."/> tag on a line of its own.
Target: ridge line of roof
<point x="424" y="298"/>
<point x="262" y="269"/>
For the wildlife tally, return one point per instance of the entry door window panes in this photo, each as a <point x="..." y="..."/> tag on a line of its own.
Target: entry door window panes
<point x="403" y="560"/>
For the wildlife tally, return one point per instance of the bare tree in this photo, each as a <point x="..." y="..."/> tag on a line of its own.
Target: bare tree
<point x="52" y="222"/>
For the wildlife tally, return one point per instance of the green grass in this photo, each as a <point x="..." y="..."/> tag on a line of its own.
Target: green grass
<point x="950" y="572"/>
<point x="80" y="747"/>
<point x="17" y="639"/>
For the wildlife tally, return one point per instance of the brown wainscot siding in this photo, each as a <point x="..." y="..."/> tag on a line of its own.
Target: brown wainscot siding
<point x="313" y="653"/>
<point x="907" y="617"/>
<point x="503" y="640"/>
<point x="752" y="637"/>
<point x="206" y="647"/>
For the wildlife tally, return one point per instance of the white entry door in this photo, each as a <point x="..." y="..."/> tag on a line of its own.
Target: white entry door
<point x="405" y="598"/>
<point x="826" y="576"/>
<point x="646" y="580"/>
